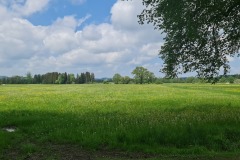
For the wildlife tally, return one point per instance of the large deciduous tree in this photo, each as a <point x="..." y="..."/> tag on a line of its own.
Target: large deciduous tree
<point x="200" y="34"/>
<point x="142" y="75"/>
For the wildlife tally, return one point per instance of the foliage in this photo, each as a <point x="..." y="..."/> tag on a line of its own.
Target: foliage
<point x="142" y="75"/>
<point x="105" y="81"/>
<point x="29" y="78"/>
<point x="231" y="79"/>
<point x="85" y="78"/>
<point x="70" y="79"/>
<point x="117" y="78"/>
<point x="50" y="78"/>
<point x="200" y="34"/>
<point x="237" y="81"/>
<point x="227" y="79"/>
<point x="190" y="80"/>
<point x="61" y="79"/>
<point x="126" y="80"/>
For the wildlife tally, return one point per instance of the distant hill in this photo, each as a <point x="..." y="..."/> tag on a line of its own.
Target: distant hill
<point x="2" y="77"/>
<point x="103" y="79"/>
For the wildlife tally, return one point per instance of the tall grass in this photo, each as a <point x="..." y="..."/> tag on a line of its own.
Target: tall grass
<point x="165" y="119"/>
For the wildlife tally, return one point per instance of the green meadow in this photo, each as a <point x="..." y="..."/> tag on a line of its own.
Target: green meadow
<point x="105" y="120"/>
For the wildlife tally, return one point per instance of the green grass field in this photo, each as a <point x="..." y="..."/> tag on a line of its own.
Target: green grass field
<point x="169" y="120"/>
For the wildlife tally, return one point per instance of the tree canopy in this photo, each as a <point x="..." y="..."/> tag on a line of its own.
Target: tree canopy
<point x="117" y="78"/>
<point x="142" y="75"/>
<point x="200" y="34"/>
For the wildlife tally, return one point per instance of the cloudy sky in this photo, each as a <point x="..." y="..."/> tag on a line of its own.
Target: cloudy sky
<point x="74" y="36"/>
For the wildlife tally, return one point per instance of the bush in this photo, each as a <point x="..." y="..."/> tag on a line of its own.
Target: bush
<point x="105" y="82"/>
<point x="158" y="82"/>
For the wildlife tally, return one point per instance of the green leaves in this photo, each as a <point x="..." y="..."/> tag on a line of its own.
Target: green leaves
<point x="199" y="34"/>
<point x="142" y="75"/>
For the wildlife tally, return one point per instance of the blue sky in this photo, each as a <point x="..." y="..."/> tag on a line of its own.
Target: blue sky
<point x="99" y="11"/>
<point x="75" y="36"/>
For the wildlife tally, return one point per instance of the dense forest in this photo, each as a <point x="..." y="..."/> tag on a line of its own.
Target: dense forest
<point x="50" y="78"/>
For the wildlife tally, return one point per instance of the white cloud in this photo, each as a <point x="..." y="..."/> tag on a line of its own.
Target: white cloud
<point x="67" y="22"/>
<point x="24" y="7"/>
<point x="4" y="15"/>
<point x="151" y="49"/>
<point x="124" y="15"/>
<point x="105" y="48"/>
<point x="19" y="39"/>
<point x="61" y="36"/>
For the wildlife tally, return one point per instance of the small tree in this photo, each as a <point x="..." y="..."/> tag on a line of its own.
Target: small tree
<point x="117" y="78"/>
<point x="223" y="79"/>
<point x="61" y="79"/>
<point x="142" y="75"/>
<point x="71" y="78"/>
<point x="190" y="80"/>
<point x="150" y="77"/>
<point x="29" y="78"/>
<point x="92" y="76"/>
<point x="231" y="79"/>
<point x="126" y="80"/>
<point x="82" y="79"/>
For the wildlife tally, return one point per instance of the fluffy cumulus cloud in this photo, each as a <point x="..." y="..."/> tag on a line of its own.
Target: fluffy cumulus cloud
<point x="24" y="7"/>
<point x="105" y="49"/>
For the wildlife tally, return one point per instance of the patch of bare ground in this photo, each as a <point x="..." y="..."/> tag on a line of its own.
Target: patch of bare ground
<point x="76" y="152"/>
<point x="71" y="152"/>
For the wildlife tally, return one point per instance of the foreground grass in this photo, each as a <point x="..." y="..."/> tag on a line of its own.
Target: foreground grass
<point x="151" y="119"/>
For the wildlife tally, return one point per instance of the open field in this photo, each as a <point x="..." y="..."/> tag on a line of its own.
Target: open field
<point x="98" y="121"/>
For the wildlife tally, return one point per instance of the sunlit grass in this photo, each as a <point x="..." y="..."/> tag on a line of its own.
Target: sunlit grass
<point x="165" y="119"/>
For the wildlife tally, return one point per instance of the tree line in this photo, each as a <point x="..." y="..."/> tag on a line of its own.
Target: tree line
<point x="50" y="78"/>
<point x="142" y="76"/>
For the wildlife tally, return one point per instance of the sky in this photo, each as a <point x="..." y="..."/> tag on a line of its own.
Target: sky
<point x="75" y="36"/>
